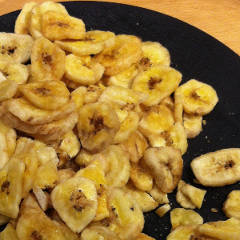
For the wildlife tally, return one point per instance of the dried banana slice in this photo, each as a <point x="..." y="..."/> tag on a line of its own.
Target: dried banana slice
<point x="158" y="82"/>
<point x="59" y="26"/>
<point x="161" y="211"/>
<point x="75" y="200"/>
<point x="65" y="174"/>
<point x="23" y="19"/>
<point x="218" y="168"/>
<point x="198" y="97"/>
<point x="9" y="233"/>
<point x="126" y="216"/>
<point x="127" y="127"/>
<point x="220" y="230"/>
<point x="166" y="165"/>
<point x="42" y="198"/>
<point x="154" y="53"/>
<point x="34" y="224"/>
<point x="126" y="51"/>
<point x="98" y="232"/>
<point x="184" y="233"/>
<point x="84" y="158"/>
<point x="81" y="72"/>
<point x="158" y="195"/>
<point x="118" y="166"/>
<point x="144" y="200"/>
<point x="189" y="196"/>
<point x="35" y="25"/>
<point x="48" y="61"/>
<point x="49" y="95"/>
<point x="11" y="180"/>
<point x="8" y="89"/>
<point x="30" y="114"/>
<point x="14" y="71"/>
<point x="3" y="150"/>
<point x="178" y="105"/>
<point x="135" y="145"/>
<point x="141" y="177"/>
<point x="124" y="78"/>
<point x="77" y="96"/>
<point x="143" y="236"/>
<point x="15" y="47"/>
<point x="231" y="206"/>
<point x="192" y="125"/>
<point x="97" y="126"/>
<point x="182" y="217"/>
<point x="94" y="42"/>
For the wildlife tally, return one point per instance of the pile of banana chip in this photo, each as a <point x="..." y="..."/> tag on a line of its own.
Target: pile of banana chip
<point x="93" y="127"/>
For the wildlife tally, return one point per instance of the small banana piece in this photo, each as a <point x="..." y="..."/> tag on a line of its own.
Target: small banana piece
<point x="143" y="236"/>
<point x="82" y="72"/>
<point x="182" y="217"/>
<point x="59" y="26"/>
<point x="3" y="149"/>
<point x="158" y="82"/>
<point x="42" y="198"/>
<point x="48" y="61"/>
<point x="192" y="125"/>
<point x="154" y="54"/>
<point x="50" y="95"/>
<point x="93" y="42"/>
<point x="189" y="196"/>
<point x="75" y="200"/>
<point x="97" y="126"/>
<point x="23" y="19"/>
<point x="84" y="158"/>
<point x="14" y="71"/>
<point x="166" y="164"/>
<point x="198" y="97"/>
<point x="126" y="51"/>
<point x="158" y="195"/>
<point x="15" y="47"/>
<point x="231" y="205"/>
<point x="9" y="233"/>
<point x="161" y="211"/>
<point x="218" y="168"/>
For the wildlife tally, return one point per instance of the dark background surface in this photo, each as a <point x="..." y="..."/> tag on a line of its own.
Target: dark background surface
<point x="197" y="55"/>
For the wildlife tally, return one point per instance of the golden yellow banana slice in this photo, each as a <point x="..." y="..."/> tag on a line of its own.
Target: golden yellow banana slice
<point x="189" y="196"/>
<point x="75" y="200"/>
<point x="166" y="166"/>
<point x="23" y="19"/>
<point x="143" y="236"/>
<point x="34" y="224"/>
<point x="48" y="61"/>
<point x="15" y="47"/>
<point x="3" y="150"/>
<point x="192" y="125"/>
<point x="184" y="233"/>
<point x="65" y="174"/>
<point x="49" y="95"/>
<point x="59" y="26"/>
<point x="94" y="42"/>
<point x="231" y="206"/>
<point x="9" y="233"/>
<point x="198" y="97"/>
<point x="11" y="182"/>
<point x="158" y="195"/>
<point x="154" y="53"/>
<point x="161" y="211"/>
<point x="77" y="70"/>
<point x="8" y="89"/>
<point x="97" y="126"/>
<point x="38" y="11"/>
<point x="126" y="51"/>
<point x="218" y="168"/>
<point x="158" y="82"/>
<point x="182" y="217"/>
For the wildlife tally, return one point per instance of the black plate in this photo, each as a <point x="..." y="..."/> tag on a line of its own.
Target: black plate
<point x="196" y="55"/>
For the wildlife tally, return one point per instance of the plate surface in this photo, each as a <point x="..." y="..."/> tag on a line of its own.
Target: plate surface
<point x="197" y="55"/>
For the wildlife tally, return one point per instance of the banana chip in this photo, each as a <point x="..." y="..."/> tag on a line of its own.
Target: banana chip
<point x="161" y="211"/>
<point x="158" y="195"/>
<point x="192" y="125"/>
<point x="8" y="89"/>
<point x="184" y="233"/>
<point x="231" y="205"/>
<point x="9" y="233"/>
<point x="143" y="236"/>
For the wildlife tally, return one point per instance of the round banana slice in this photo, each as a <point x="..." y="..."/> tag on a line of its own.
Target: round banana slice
<point x="48" y="61"/>
<point x="14" y="71"/>
<point x="166" y="165"/>
<point x="8" y="89"/>
<point x="9" y="233"/>
<point x="154" y="53"/>
<point x="158" y="82"/>
<point x="75" y="200"/>
<point x="59" y="26"/>
<point x="77" y="70"/>
<point x="94" y="42"/>
<point x="183" y="233"/>
<point x="23" y="19"/>
<point x="198" y="98"/>
<point x="15" y="47"/>
<point x="35" y="25"/>
<point x="30" y="114"/>
<point x="49" y="95"/>
<point x="126" y="216"/>
<point x="231" y="206"/>
<point x="97" y="126"/>
<point x="192" y="125"/>
<point x="98" y="232"/>
<point x="126" y="51"/>
<point x="218" y="168"/>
